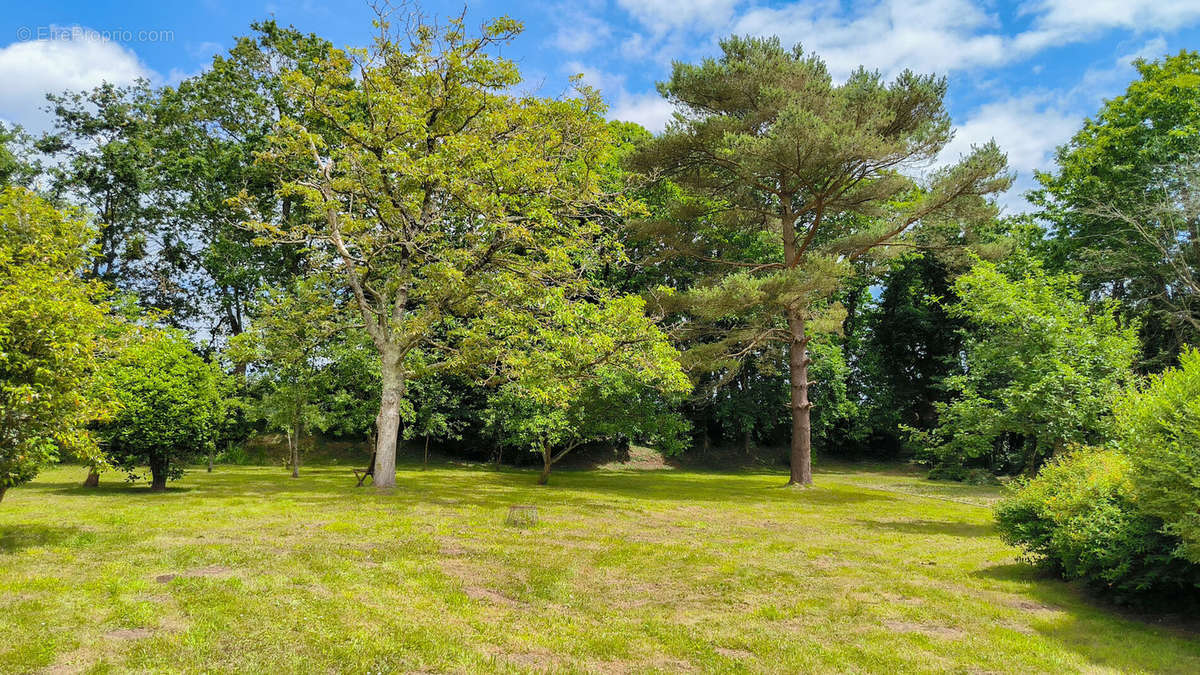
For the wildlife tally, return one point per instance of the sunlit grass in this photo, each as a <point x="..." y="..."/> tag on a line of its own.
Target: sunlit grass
<point x="626" y="571"/>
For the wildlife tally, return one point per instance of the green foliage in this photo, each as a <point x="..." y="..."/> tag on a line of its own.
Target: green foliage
<point x="103" y="145"/>
<point x="287" y="341"/>
<point x="1160" y="432"/>
<point x="902" y="346"/>
<point x="818" y="176"/>
<point x="347" y="386"/>
<point x="157" y="165"/>
<point x="171" y="404"/>
<point x="1081" y="517"/>
<point x="435" y="192"/>
<point x="1114" y="203"/>
<point x="585" y="371"/>
<point x="18" y="165"/>
<point x="1042" y="370"/>
<point x="51" y="330"/>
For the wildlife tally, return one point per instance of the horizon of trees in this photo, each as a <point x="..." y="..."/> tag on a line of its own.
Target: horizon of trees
<point x="387" y="243"/>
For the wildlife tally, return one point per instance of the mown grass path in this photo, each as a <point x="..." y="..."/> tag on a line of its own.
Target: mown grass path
<point x="248" y="570"/>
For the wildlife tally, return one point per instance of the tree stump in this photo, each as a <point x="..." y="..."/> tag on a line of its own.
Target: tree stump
<point x="522" y="516"/>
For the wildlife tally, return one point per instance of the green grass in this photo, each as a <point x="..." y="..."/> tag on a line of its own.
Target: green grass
<point x="626" y="572"/>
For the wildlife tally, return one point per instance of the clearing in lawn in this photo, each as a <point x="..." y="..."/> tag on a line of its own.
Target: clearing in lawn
<point x="246" y="569"/>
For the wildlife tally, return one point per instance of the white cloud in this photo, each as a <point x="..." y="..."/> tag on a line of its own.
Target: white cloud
<point x="889" y="35"/>
<point x="579" y="33"/>
<point x="925" y="35"/>
<point x="1058" y="22"/>
<point x="608" y="83"/>
<point x="29" y="70"/>
<point x="664" y="15"/>
<point x="1028" y="128"/>
<point x="1100" y="82"/>
<point x="648" y="109"/>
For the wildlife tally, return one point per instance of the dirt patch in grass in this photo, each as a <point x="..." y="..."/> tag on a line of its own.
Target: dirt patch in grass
<point x="129" y="633"/>
<point x="932" y="630"/>
<point x="474" y="583"/>
<point x="209" y="571"/>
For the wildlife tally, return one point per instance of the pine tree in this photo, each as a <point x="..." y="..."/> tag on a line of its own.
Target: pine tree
<point x="814" y="172"/>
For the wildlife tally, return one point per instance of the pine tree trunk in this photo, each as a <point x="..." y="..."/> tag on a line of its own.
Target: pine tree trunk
<point x="388" y="422"/>
<point x="93" y="478"/>
<point x="801" y="456"/>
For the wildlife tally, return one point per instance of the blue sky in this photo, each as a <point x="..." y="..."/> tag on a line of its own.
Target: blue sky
<point x="1024" y="73"/>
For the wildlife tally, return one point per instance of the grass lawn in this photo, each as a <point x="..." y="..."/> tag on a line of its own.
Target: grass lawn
<point x="246" y="569"/>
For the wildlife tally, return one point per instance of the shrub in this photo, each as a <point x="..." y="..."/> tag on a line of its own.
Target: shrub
<point x="1160" y="432"/>
<point x="170" y="406"/>
<point x="1079" y="517"/>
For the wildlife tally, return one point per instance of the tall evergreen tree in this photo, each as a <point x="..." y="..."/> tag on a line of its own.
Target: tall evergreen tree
<point x="816" y="168"/>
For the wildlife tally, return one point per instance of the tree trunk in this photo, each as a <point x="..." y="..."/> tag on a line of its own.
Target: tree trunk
<point x="801" y="457"/>
<point x="294" y="447"/>
<point x="2" y="491"/>
<point x="746" y="438"/>
<point x="547" y="462"/>
<point x="158" y="480"/>
<point x="93" y="478"/>
<point x="426" y="464"/>
<point x="388" y="422"/>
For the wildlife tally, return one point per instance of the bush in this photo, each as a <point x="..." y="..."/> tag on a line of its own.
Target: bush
<point x="1160" y="432"/>
<point x="170" y="406"/>
<point x="1079" y="517"/>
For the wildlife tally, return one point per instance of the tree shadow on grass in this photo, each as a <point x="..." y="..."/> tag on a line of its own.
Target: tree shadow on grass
<point x="123" y="488"/>
<point x="1099" y="631"/>
<point x="952" y="528"/>
<point x="14" y="538"/>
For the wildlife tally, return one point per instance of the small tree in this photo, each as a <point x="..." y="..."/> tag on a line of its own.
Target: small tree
<point x="288" y="338"/>
<point x="587" y="371"/>
<point x="1042" y="369"/>
<point x="51" y="326"/>
<point x="803" y="179"/>
<point x="171" y="405"/>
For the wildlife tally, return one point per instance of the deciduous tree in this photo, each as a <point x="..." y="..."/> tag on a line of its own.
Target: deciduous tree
<point x="51" y="327"/>
<point x="170" y="405"/>
<point x="1117" y="204"/>
<point x="433" y="189"/>
<point x="1042" y="370"/>
<point x="287" y="342"/>
<point x="585" y="371"/>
